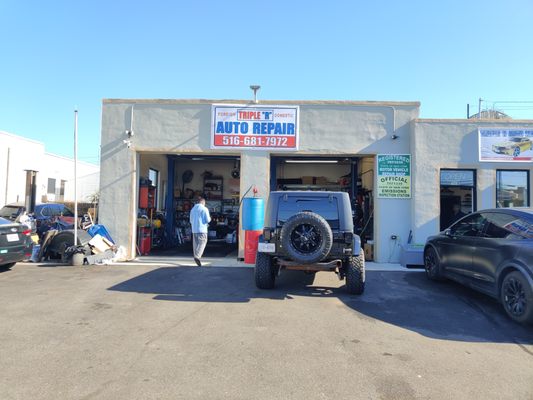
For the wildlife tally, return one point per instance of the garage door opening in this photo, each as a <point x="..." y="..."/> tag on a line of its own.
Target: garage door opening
<point x="332" y="174"/>
<point x="163" y="225"/>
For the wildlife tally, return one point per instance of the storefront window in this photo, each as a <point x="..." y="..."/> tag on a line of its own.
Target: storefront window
<point x="51" y="186"/>
<point x="512" y="188"/>
<point x="457" y="195"/>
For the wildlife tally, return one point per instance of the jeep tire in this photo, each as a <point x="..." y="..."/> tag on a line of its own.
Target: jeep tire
<point x="354" y="269"/>
<point x="306" y="237"/>
<point x="265" y="271"/>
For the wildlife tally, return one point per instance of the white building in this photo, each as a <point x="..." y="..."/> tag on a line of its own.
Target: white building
<point x="407" y="173"/>
<point x="54" y="175"/>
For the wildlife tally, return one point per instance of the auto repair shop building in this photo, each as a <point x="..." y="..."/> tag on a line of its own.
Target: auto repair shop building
<point x="404" y="174"/>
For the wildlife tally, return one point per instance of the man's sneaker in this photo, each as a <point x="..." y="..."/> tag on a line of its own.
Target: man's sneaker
<point x="197" y="261"/>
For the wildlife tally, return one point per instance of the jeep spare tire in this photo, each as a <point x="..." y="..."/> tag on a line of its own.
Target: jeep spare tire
<point x="306" y="237"/>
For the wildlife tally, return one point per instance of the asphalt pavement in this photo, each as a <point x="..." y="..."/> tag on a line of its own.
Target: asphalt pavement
<point x="165" y="329"/>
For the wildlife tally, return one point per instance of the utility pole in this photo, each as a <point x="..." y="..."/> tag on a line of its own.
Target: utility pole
<point x="75" y="178"/>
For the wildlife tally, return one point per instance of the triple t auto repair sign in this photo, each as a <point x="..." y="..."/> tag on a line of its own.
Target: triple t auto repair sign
<point x="254" y="127"/>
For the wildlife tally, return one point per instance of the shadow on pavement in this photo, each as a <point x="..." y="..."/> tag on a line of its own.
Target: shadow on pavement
<point x="404" y="299"/>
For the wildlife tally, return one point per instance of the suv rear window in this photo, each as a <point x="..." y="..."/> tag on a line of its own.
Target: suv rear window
<point x="324" y="206"/>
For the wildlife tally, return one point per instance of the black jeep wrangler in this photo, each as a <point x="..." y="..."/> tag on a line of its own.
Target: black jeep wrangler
<point x="310" y="231"/>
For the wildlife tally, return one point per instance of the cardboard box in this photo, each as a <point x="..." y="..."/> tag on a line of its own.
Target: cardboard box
<point x="369" y="251"/>
<point x="314" y="180"/>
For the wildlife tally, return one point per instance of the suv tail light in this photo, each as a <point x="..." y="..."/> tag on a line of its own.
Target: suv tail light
<point x="267" y="234"/>
<point x="348" y="237"/>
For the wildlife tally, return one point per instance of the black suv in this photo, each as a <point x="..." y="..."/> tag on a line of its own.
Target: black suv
<point x="311" y="232"/>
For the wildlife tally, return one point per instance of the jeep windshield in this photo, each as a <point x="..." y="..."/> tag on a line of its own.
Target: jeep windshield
<point x="324" y="206"/>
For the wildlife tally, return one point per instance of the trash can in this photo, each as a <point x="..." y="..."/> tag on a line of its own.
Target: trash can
<point x="145" y="241"/>
<point x="251" y="239"/>
<point x="253" y="213"/>
<point x="253" y="219"/>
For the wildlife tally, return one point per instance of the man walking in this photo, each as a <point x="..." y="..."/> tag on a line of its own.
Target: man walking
<point x="199" y="218"/>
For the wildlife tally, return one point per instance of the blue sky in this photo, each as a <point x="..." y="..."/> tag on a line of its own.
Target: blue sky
<point x="57" y="55"/>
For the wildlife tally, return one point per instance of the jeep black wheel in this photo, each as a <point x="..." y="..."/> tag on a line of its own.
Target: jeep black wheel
<point x="432" y="265"/>
<point x="306" y="237"/>
<point x="265" y="271"/>
<point x="517" y="298"/>
<point x="355" y="274"/>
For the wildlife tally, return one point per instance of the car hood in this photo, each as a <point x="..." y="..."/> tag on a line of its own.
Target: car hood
<point x="506" y="144"/>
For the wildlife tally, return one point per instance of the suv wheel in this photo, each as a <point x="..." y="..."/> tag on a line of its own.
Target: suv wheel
<point x="517" y="298"/>
<point x="7" y="266"/>
<point x="432" y="265"/>
<point x="265" y="271"/>
<point x="354" y="269"/>
<point x="306" y="237"/>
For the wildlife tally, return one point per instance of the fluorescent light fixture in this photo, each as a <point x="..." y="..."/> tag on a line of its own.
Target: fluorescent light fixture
<point x="311" y="161"/>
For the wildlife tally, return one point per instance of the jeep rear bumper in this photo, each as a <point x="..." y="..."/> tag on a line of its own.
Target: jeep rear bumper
<point x="322" y="266"/>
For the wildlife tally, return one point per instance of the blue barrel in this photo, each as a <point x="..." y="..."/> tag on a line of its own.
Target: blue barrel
<point x="253" y="213"/>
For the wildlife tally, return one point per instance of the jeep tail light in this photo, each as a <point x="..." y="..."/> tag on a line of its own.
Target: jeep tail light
<point x="267" y="234"/>
<point x="348" y="237"/>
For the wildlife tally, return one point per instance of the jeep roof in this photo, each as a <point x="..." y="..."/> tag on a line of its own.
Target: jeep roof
<point x="304" y="200"/>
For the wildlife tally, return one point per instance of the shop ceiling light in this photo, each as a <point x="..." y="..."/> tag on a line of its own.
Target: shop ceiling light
<point x="311" y="161"/>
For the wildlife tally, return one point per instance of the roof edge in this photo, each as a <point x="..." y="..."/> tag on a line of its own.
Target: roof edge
<point x="267" y="102"/>
<point x="476" y="121"/>
<point x="66" y="158"/>
<point x="14" y="135"/>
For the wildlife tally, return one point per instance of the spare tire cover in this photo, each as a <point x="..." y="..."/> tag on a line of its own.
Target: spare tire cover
<point x="306" y="237"/>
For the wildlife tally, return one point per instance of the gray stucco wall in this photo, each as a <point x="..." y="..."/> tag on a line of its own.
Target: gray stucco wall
<point x="438" y="144"/>
<point x="179" y="127"/>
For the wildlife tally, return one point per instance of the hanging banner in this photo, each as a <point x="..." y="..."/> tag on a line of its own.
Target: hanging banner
<point x="394" y="176"/>
<point x="254" y="127"/>
<point x="505" y="145"/>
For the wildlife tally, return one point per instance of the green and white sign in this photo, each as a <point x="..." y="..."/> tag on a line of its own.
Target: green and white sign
<point x="394" y="176"/>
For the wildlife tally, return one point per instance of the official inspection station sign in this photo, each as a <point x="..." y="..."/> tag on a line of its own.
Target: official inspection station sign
<point x="505" y="145"/>
<point x="394" y="176"/>
<point x="254" y="127"/>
